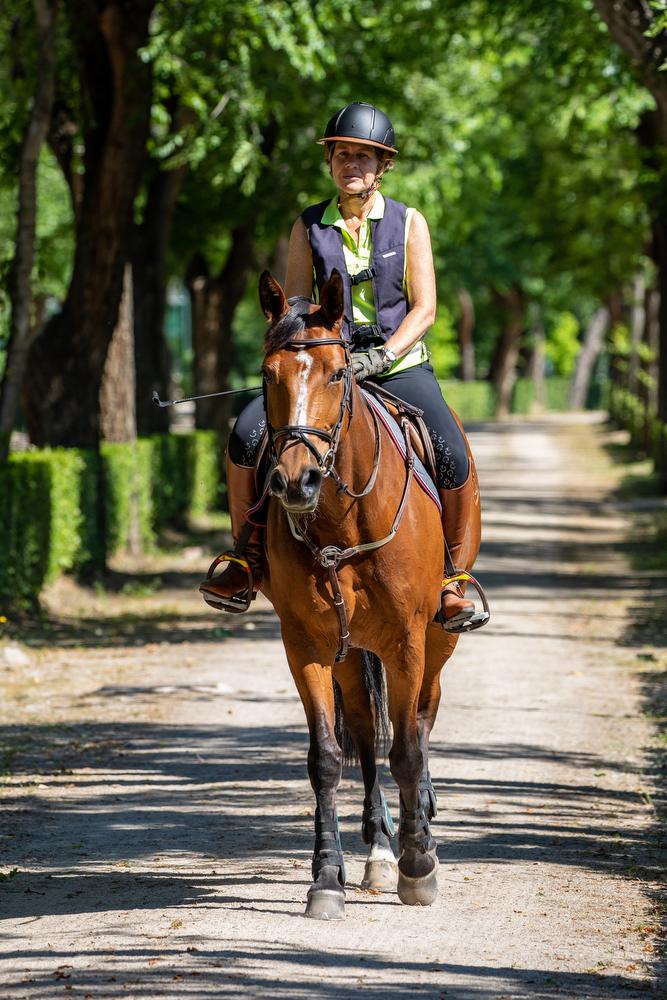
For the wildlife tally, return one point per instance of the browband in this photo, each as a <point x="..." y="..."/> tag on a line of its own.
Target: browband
<point x="315" y="342"/>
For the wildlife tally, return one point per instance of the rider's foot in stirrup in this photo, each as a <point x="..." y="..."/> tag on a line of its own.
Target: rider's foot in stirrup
<point x="457" y="613"/>
<point x="455" y="605"/>
<point x="229" y="591"/>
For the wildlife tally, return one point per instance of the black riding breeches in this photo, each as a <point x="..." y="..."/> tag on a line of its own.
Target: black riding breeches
<point x="417" y="386"/>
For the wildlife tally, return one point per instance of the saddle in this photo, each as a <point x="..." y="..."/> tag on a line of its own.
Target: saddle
<point x="419" y="435"/>
<point x="391" y="409"/>
<point x="385" y="404"/>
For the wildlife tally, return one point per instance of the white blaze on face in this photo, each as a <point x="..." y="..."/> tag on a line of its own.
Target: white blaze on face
<point x="306" y="361"/>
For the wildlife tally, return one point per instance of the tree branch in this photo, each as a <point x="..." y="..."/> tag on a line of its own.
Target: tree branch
<point x="628" y="22"/>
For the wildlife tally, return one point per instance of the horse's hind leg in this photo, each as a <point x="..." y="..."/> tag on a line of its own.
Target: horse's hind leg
<point x="418" y="863"/>
<point x="326" y="896"/>
<point x="377" y="830"/>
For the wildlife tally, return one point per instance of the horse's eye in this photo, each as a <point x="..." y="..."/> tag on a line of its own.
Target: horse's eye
<point x="337" y="376"/>
<point x="266" y="375"/>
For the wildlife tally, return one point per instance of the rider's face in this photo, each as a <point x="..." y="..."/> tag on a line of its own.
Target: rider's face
<point x="353" y="167"/>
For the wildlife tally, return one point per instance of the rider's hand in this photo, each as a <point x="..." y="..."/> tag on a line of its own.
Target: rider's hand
<point x="371" y="362"/>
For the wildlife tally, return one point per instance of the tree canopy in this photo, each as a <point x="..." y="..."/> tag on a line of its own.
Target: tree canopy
<point x="519" y="129"/>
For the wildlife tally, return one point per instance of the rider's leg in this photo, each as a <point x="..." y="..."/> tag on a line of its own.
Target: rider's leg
<point x="455" y="480"/>
<point x="242" y="496"/>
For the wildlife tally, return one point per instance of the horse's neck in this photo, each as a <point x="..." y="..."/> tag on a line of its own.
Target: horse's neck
<point x="354" y="458"/>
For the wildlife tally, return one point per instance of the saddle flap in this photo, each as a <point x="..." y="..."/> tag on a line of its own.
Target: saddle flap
<point x="422" y="476"/>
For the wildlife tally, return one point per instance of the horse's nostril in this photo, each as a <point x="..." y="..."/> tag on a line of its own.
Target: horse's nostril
<point x="311" y="480"/>
<point x="277" y="483"/>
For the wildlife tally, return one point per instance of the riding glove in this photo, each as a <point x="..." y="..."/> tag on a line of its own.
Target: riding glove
<point x="371" y="362"/>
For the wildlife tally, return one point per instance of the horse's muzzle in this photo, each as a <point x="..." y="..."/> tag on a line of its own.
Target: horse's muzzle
<point x="300" y="495"/>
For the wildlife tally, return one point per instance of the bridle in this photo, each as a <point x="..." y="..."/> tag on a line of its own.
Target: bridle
<point x="300" y="433"/>
<point x="330" y="556"/>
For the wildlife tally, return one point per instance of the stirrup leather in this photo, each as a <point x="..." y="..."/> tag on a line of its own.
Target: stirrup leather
<point x="240" y="602"/>
<point x="475" y="620"/>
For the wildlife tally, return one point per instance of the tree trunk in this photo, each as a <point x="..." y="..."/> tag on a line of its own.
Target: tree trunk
<point x="637" y="330"/>
<point x="660" y="256"/>
<point x="117" y="395"/>
<point x="66" y="362"/>
<point x="214" y="302"/>
<point x="205" y="295"/>
<point x="23" y="328"/>
<point x="537" y="363"/>
<point x="588" y="355"/>
<point x="118" y="421"/>
<point x="150" y="248"/>
<point x="503" y="366"/>
<point x="62" y="135"/>
<point x="649" y="379"/>
<point x="465" y="330"/>
<point x="618" y="363"/>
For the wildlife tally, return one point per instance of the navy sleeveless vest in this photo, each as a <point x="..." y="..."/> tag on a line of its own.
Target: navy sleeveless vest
<point x="387" y="265"/>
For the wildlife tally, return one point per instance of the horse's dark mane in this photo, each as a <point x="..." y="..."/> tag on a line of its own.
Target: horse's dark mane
<point x="290" y="326"/>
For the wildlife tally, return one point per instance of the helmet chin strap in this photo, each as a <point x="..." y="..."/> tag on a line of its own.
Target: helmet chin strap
<point x="365" y="195"/>
<point x="374" y="186"/>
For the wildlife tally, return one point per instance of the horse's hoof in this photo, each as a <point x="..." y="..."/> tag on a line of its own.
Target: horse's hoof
<point x="380" y="875"/>
<point x="421" y="891"/>
<point x="326" y="904"/>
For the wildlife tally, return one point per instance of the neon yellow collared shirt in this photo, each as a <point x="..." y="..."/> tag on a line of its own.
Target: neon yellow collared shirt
<point x="358" y="258"/>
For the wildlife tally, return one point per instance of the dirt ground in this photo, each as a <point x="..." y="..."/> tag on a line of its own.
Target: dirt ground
<point x="156" y="817"/>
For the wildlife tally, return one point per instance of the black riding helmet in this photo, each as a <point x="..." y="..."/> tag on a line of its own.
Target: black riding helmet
<point x="363" y="123"/>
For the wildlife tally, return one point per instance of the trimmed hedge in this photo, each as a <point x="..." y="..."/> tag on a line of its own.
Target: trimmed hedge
<point x="471" y="400"/>
<point x="50" y="516"/>
<point x="477" y="400"/>
<point x="41" y="519"/>
<point x="127" y="475"/>
<point x="646" y="431"/>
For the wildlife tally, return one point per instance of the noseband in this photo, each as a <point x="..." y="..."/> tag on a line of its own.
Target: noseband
<point x="298" y="433"/>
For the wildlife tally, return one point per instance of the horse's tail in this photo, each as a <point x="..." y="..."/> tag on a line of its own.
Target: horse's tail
<point x="376" y="685"/>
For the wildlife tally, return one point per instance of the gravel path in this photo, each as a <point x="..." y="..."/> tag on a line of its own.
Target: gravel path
<point x="157" y="809"/>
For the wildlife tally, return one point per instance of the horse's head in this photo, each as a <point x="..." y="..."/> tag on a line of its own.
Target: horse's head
<point x="308" y="389"/>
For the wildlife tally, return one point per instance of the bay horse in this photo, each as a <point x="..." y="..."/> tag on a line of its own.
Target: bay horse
<point x="354" y="565"/>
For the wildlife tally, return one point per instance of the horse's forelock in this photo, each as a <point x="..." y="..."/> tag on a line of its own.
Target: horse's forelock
<point x="291" y="325"/>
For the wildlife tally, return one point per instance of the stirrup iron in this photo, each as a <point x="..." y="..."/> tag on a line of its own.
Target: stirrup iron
<point x="464" y="622"/>
<point x="238" y="603"/>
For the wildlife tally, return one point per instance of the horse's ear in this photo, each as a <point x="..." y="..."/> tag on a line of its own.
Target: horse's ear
<point x="332" y="299"/>
<point x="272" y="298"/>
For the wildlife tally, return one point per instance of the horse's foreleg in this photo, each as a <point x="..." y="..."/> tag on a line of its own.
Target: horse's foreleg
<point x="418" y="862"/>
<point x="439" y="647"/>
<point x="326" y="896"/>
<point x="377" y="829"/>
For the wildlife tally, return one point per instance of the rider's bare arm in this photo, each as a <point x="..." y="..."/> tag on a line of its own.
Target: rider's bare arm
<point x="299" y="279"/>
<point x="421" y="288"/>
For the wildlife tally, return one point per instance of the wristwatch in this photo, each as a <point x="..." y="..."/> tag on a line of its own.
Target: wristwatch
<point x="389" y="355"/>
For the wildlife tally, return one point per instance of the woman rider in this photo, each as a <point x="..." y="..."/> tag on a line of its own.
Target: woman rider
<point x="383" y="251"/>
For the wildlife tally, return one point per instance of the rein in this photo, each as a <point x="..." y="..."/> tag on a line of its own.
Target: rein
<point x="330" y="556"/>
